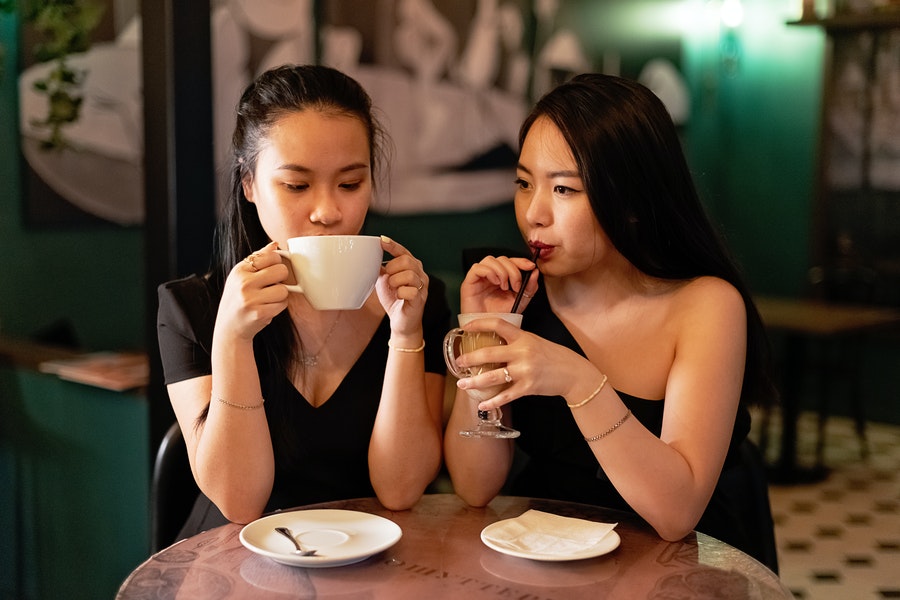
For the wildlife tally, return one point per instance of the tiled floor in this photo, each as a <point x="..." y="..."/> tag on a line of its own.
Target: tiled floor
<point x="840" y="539"/>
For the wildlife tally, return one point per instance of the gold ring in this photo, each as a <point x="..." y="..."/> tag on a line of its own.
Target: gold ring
<point x="506" y="375"/>
<point x="421" y="283"/>
<point x="250" y="259"/>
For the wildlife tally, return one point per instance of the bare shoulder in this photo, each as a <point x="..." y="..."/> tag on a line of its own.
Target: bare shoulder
<point x="712" y="288"/>
<point x="709" y="296"/>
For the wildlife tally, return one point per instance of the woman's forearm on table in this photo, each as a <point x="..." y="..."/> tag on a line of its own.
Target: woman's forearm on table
<point x="405" y="448"/>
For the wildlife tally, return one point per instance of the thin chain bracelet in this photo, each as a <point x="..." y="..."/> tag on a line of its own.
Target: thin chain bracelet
<point x="600" y="436"/>
<point x="241" y="406"/>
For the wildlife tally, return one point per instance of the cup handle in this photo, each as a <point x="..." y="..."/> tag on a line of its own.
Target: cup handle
<point x="450" y="355"/>
<point x="290" y="287"/>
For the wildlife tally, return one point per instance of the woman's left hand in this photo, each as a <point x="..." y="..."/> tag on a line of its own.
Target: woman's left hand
<point x="534" y="366"/>
<point x="402" y="288"/>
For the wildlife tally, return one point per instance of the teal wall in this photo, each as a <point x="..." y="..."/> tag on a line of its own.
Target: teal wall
<point x="752" y="138"/>
<point x="90" y="278"/>
<point x="74" y="467"/>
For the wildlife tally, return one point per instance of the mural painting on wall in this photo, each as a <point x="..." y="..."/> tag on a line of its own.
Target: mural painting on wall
<point x="453" y="80"/>
<point x="81" y="118"/>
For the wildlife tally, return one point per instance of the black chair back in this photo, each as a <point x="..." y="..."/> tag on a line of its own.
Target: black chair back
<point x="173" y="490"/>
<point x="753" y="461"/>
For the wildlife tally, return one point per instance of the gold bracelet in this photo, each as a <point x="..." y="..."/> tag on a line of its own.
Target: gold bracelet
<point x="618" y="424"/>
<point x="592" y="396"/>
<point x="419" y="349"/>
<point x="241" y="406"/>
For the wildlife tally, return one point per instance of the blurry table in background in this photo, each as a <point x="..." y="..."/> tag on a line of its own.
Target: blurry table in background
<point x="441" y="555"/>
<point x="802" y="322"/>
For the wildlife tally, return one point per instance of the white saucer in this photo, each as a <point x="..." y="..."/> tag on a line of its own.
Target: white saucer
<point x="607" y="544"/>
<point x="342" y="537"/>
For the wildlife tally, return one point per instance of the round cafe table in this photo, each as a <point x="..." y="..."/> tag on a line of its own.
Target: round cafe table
<point x="441" y="555"/>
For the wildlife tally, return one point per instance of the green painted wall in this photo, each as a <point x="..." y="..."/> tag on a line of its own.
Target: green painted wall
<point x="752" y="138"/>
<point x="74" y="466"/>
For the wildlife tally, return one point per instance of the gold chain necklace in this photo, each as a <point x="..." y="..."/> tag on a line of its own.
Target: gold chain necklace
<point x="311" y="361"/>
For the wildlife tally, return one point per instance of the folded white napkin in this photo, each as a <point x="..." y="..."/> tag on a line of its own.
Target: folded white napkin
<point x="538" y="532"/>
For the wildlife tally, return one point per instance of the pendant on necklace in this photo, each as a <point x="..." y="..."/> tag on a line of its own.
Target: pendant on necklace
<point x="313" y="360"/>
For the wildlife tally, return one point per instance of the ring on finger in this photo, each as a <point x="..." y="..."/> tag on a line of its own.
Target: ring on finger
<point x="252" y="261"/>
<point x="506" y="375"/>
<point x="421" y="283"/>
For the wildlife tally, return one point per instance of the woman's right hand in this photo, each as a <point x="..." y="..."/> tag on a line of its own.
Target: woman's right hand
<point x="491" y="285"/>
<point x="252" y="296"/>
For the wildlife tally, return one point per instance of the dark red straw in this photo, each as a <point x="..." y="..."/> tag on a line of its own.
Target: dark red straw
<point x="525" y="276"/>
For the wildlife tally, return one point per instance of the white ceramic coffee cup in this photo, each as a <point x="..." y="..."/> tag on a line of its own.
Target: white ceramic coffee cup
<point x="334" y="272"/>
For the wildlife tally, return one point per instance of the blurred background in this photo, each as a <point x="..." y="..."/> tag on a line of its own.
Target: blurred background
<point x="789" y="112"/>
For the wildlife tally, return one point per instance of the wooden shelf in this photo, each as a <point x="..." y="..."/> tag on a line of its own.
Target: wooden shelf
<point x="28" y="354"/>
<point x="886" y="19"/>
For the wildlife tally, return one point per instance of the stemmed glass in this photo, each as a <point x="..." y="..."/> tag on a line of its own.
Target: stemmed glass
<point x="458" y="342"/>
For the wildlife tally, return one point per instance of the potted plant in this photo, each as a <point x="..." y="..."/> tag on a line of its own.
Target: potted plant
<point x="62" y="28"/>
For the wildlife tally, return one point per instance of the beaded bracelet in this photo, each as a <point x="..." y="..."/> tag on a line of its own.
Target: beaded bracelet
<point x="241" y="406"/>
<point x="618" y="424"/>
<point x="592" y="396"/>
<point x="398" y="349"/>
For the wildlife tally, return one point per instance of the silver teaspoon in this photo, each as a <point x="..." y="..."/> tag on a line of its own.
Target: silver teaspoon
<point x="300" y="549"/>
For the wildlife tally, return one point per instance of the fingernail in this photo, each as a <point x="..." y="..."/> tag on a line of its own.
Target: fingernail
<point x="386" y="239"/>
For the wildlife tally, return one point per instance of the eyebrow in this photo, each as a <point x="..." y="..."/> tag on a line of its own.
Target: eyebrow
<point x="301" y="169"/>
<point x="551" y="174"/>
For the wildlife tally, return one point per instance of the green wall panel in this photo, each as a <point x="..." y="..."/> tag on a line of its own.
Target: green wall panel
<point x="752" y="139"/>
<point x="75" y="463"/>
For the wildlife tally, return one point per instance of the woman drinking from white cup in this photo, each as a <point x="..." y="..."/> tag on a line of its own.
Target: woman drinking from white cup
<point x="281" y="403"/>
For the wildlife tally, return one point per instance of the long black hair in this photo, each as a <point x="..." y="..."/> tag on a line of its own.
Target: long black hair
<point x="641" y="190"/>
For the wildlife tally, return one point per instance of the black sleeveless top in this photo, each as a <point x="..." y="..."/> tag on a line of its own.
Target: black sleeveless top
<point x="327" y="458"/>
<point x="557" y="463"/>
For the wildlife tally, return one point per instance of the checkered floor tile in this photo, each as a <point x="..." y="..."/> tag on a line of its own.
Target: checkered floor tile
<point x="839" y="539"/>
